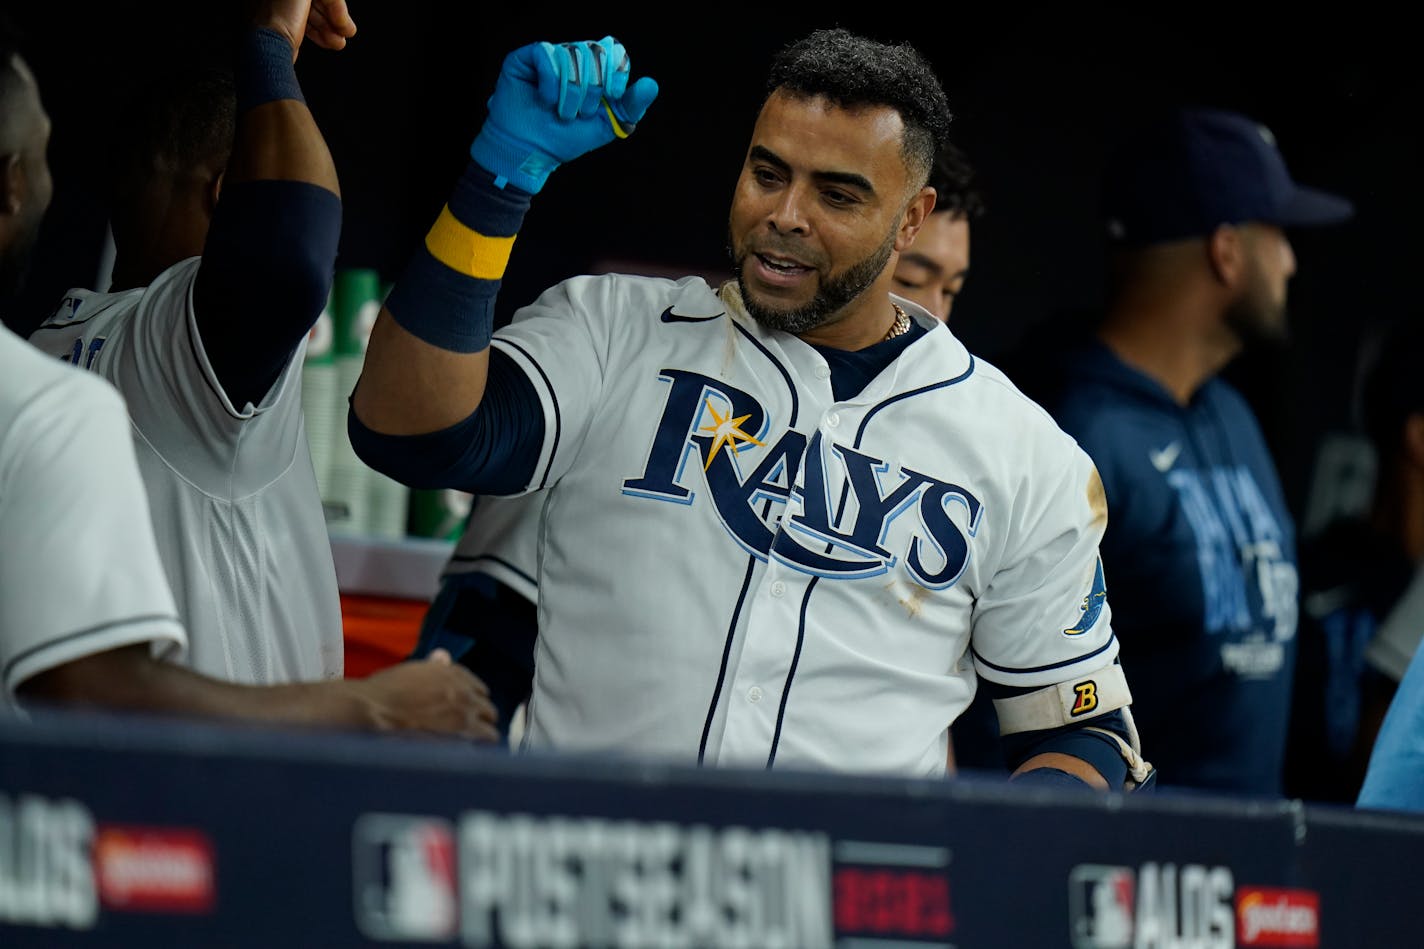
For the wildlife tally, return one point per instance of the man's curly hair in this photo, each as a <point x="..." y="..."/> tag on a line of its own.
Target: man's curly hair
<point x="853" y="71"/>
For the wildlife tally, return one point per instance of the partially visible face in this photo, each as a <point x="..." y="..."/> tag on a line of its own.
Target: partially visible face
<point x="932" y="270"/>
<point x="818" y="211"/>
<point x="30" y="128"/>
<point x="1258" y="314"/>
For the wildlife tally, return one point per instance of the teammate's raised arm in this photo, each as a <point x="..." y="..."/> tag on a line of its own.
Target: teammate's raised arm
<point x="271" y="248"/>
<point x="427" y="361"/>
<point x="225" y="221"/>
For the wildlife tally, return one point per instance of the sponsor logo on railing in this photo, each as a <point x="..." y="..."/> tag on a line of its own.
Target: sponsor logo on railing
<point x="1164" y="906"/>
<point x="154" y="869"/>
<point x="1275" y="918"/>
<point x="891" y="894"/>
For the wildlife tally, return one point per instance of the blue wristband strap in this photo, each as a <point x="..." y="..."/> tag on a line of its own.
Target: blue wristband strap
<point x="265" y="72"/>
<point x="446" y="295"/>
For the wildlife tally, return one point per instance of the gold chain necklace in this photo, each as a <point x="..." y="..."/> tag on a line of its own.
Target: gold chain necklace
<point x="901" y="325"/>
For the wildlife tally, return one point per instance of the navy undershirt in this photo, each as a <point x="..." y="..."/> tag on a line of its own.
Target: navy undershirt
<point x="851" y="372"/>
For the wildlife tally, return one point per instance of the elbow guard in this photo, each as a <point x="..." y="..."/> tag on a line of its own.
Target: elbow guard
<point x="1077" y="703"/>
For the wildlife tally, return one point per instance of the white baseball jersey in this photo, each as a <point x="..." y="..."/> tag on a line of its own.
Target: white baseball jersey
<point x="740" y="569"/>
<point x="502" y="540"/>
<point x="79" y="571"/>
<point x="233" y="496"/>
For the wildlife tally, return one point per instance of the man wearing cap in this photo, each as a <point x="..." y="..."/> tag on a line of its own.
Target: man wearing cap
<point x="1199" y="553"/>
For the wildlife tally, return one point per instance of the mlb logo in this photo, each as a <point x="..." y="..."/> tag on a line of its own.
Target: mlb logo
<point x="1101" y="900"/>
<point x="404" y="878"/>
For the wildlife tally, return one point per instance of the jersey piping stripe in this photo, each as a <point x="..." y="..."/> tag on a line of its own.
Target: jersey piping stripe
<point x="785" y="374"/>
<point x="467" y="558"/>
<point x="860" y="433"/>
<point x="726" y="655"/>
<point x="1051" y="666"/>
<point x="751" y="561"/>
<point x="90" y="631"/>
<point x="791" y="673"/>
<point x="553" y="397"/>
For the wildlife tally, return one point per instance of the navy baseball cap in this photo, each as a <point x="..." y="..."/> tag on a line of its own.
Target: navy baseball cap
<point x="1195" y="169"/>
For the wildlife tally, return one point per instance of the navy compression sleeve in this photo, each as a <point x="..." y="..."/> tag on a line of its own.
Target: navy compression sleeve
<point x="493" y="451"/>
<point x="270" y="249"/>
<point x="263" y="280"/>
<point x="1098" y="750"/>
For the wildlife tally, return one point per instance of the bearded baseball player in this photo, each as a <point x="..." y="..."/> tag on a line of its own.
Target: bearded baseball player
<point x="791" y="521"/>
<point x="484" y="613"/>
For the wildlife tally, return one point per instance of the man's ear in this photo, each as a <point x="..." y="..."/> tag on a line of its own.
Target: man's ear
<point x="916" y="212"/>
<point x="12" y="184"/>
<point x="1414" y="439"/>
<point x="1226" y="254"/>
<point x="214" y="189"/>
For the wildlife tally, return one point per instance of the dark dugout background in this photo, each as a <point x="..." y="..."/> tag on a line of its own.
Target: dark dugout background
<point x="1037" y="95"/>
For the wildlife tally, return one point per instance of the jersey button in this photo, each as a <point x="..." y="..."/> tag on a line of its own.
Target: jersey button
<point x="754" y="694"/>
<point x="833" y="419"/>
<point x="778" y="588"/>
<point x="823" y="372"/>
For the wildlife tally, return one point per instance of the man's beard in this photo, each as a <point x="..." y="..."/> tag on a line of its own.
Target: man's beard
<point x="1256" y="319"/>
<point x="832" y="296"/>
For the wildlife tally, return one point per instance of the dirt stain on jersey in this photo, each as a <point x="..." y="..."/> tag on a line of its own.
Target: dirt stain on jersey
<point x="1097" y="499"/>
<point x="914" y="602"/>
<point x="731" y="298"/>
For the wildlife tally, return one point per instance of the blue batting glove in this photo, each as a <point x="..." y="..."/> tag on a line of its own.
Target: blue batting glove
<point x="552" y="103"/>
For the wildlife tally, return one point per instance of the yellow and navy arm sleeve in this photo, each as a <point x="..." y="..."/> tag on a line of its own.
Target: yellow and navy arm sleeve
<point x="447" y="293"/>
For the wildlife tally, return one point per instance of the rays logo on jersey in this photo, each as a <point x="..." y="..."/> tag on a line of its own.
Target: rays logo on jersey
<point x="1092" y="603"/>
<point x="833" y="521"/>
<point x="1248" y="579"/>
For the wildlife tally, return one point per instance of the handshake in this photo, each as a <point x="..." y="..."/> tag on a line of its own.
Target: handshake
<point x="552" y="103"/>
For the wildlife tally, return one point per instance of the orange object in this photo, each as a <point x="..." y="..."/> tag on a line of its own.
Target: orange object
<point x="379" y="630"/>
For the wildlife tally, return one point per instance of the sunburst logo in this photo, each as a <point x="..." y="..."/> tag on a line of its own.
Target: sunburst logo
<point x="727" y="431"/>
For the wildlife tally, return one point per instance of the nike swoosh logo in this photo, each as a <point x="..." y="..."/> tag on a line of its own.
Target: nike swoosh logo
<point x="1164" y="459"/>
<point x="670" y="317"/>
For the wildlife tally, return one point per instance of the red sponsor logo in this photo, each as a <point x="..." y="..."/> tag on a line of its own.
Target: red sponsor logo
<point x="892" y="902"/>
<point x="154" y="869"/>
<point x="1275" y="918"/>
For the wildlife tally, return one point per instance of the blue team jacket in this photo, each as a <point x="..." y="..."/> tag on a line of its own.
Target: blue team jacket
<point x="1200" y="563"/>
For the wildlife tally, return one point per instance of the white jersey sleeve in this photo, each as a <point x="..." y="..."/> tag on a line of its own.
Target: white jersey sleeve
<point x="80" y="572"/>
<point x="501" y="540"/>
<point x="1044" y="615"/>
